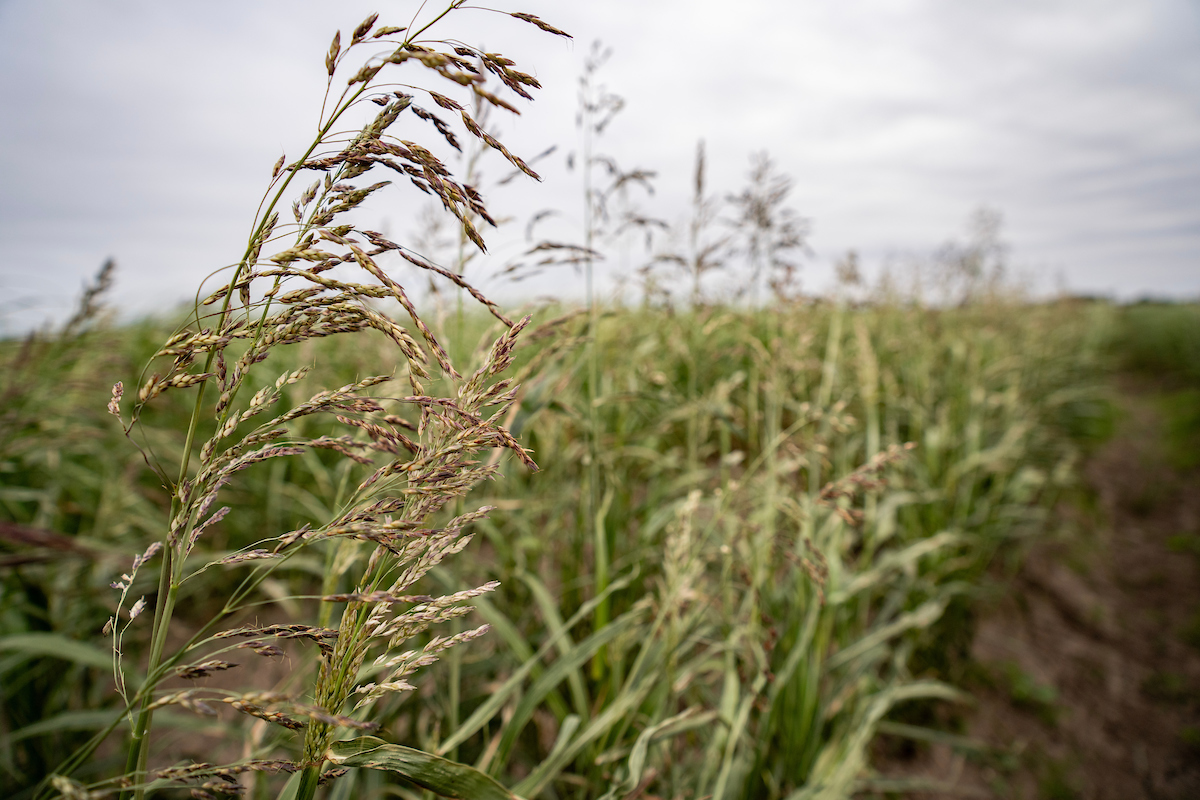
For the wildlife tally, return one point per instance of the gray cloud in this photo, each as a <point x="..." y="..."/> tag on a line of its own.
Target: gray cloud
<point x="145" y="130"/>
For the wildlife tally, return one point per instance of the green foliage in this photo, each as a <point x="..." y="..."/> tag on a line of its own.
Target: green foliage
<point x="1182" y="415"/>
<point x="70" y="505"/>
<point x="1161" y="340"/>
<point x="442" y="777"/>
<point x="1159" y="343"/>
<point x="770" y="593"/>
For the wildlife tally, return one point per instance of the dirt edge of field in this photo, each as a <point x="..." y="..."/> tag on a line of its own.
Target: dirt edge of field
<point x="1086" y="667"/>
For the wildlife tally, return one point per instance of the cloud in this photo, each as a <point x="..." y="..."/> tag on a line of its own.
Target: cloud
<point x="145" y="130"/>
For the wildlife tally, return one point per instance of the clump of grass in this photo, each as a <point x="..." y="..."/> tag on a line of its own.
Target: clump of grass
<point x="800" y="607"/>
<point x="66" y="502"/>
<point x="1161" y="339"/>
<point x="319" y="275"/>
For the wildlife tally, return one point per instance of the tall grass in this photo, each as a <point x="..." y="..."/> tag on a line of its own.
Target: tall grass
<point x="779" y="554"/>
<point x="748" y="526"/>
<point x="383" y="531"/>
<point x="808" y="579"/>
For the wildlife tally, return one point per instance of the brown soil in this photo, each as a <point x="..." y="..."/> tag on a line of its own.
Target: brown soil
<point x="1087" y="685"/>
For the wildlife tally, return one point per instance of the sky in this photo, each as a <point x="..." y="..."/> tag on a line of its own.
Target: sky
<point x="146" y="131"/>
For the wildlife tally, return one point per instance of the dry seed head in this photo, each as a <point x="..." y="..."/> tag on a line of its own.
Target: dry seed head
<point x="456" y="431"/>
<point x="439" y="644"/>
<point x="335" y="49"/>
<point x="262" y="648"/>
<point x="114" y="405"/>
<point x="548" y="28"/>
<point x="69" y="789"/>
<point x="331" y="775"/>
<point x="187" y="699"/>
<point x="226" y="429"/>
<point x="186" y="379"/>
<point x="137" y="608"/>
<point x="365" y="74"/>
<point x="363" y="29"/>
<point x="282" y="631"/>
<point x="146" y="555"/>
<point x="181" y="772"/>
<point x="251" y="555"/>
<point x="260" y="397"/>
<point x="203" y="670"/>
<point x="213" y="520"/>
<point x="151" y="389"/>
<point x="388" y="598"/>
<point x="272" y="221"/>
<point x="445" y="102"/>
<point x="310" y="193"/>
<point x="271" y="766"/>
<point x="245" y="706"/>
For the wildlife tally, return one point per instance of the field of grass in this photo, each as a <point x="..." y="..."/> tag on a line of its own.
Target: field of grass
<point x="751" y="540"/>
<point x="791" y="499"/>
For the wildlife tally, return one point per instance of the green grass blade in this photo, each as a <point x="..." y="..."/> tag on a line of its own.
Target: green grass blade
<point x="498" y="698"/>
<point x="554" y="622"/>
<point x="922" y="617"/>
<point x="564" y="667"/>
<point x="564" y="752"/>
<point x="56" y="645"/>
<point x="438" y="775"/>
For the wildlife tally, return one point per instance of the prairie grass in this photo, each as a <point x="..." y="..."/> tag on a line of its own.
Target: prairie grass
<point x="747" y="528"/>
<point x="767" y="592"/>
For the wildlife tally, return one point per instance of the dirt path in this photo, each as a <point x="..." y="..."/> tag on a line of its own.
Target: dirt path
<point x="1088" y="665"/>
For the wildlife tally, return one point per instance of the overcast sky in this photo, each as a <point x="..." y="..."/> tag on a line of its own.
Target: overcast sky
<point x="146" y="130"/>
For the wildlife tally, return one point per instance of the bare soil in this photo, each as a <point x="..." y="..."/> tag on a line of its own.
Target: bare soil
<point x="1087" y="666"/>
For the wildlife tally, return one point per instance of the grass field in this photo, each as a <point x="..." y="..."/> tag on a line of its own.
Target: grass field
<point x="322" y="540"/>
<point x="796" y="506"/>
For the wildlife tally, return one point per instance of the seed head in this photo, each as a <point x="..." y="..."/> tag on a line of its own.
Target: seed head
<point x="114" y="405"/>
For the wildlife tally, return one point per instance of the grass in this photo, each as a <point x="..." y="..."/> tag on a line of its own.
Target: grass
<point x="1161" y="339"/>
<point x="1159" y="343"/>
<point x="381" y="531"/>
<point x="755" y="533"/>
<point x="767" y="591"/>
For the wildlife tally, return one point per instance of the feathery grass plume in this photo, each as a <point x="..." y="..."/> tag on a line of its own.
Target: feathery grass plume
<point x="313" y="275"/>
<point x="767" y="232"/>
<point x="701" y="254"/>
